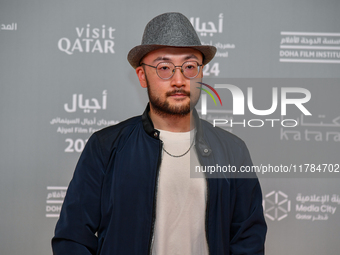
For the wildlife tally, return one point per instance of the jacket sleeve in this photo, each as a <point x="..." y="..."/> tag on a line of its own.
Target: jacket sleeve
<point x="75" y="232"/>
<point x="248" y="226"/>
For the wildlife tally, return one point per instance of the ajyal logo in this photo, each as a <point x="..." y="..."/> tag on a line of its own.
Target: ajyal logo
<point x="204" y="97"/>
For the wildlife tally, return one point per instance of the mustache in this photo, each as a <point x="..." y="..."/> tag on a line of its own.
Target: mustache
<point x="180" y="91"/>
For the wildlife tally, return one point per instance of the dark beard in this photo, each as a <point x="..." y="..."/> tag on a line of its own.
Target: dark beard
<point x="164" y="109"/>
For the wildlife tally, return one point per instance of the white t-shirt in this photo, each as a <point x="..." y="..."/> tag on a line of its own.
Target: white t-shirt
<point x="181" y="200"/>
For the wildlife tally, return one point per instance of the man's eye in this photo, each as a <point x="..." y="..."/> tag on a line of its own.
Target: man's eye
<point x="190" y="67"/>
<point x="164" y="68"/>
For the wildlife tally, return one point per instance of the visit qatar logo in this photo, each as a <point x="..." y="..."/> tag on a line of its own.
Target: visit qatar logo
<point x="89" y="40"/>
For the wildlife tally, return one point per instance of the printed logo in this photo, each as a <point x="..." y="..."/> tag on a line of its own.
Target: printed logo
<point x="243" y="104"/>
<point x="86" y="104"/>
<point x="80" y="120"/>
<point x="276" y="205"/>
<point x="211" y="32"/>
<point x="90" y="40"/>
<point x="207" y="27"/>
<point x="210" y="28"/>
<point x="54" y="201"/>
<point x="204" y="97"/>
<point x="307" y="47"/>
<point x="9" y="27"/>
<point x="238" y="100"/>
<point x="315" y="207"/>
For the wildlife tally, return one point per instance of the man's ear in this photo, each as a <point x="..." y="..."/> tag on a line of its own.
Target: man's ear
<point x="141" y="76"/>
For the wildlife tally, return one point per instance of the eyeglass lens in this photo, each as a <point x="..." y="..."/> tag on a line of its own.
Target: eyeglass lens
<point x="166" y="70"/>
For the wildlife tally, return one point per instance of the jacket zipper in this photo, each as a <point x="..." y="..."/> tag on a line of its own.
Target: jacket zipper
<point x="207" y="206"/>
<point x="152" y="237"/>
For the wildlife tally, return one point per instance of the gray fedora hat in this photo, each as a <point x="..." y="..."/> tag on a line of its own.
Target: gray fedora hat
<point x="169" y="30"/>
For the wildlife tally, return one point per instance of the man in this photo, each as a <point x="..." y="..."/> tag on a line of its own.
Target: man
<point x="131" y="192"/>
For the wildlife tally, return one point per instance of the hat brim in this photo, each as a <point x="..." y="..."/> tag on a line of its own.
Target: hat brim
<point x="137" y="53"/>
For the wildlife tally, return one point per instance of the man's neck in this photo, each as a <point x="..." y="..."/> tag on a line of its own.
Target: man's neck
<point x="172" y="123"/>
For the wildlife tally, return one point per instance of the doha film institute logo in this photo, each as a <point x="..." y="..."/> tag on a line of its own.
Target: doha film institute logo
<point x="276" y="205"/>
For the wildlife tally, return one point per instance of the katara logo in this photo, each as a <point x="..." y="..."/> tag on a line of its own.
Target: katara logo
<point x="276" y="205"/>
<point x="204" y="97"/>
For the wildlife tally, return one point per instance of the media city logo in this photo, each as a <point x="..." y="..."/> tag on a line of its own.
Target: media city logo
<point x="238" y="99"/>
<point x="276" y="205"/>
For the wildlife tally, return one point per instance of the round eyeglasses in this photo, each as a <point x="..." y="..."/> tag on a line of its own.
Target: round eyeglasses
<point x="165" y="70"/>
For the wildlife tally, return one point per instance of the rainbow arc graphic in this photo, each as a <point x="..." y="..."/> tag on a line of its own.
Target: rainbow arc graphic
<point x="209" y="93"/>
<point x="204" y="97"/>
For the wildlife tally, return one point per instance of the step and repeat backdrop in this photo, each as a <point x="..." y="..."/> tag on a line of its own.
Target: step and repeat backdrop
<point x="64" y="75"/>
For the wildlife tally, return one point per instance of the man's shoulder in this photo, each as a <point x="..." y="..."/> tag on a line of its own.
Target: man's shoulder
<point x="123" y="128"/>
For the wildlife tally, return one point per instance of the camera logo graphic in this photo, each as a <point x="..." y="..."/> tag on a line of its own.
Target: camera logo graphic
<point x="276" y="205"/>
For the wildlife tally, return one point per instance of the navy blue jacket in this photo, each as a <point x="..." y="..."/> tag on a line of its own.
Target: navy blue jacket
<point x="109" y="208"/>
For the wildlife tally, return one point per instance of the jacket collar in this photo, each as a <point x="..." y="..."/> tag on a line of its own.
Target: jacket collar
<point x="201" y="145"/>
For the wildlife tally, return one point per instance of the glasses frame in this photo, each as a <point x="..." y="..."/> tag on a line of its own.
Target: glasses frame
<point x="173" y="71"/>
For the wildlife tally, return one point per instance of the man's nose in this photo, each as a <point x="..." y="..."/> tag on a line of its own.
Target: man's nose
<point x="178" y="79"/>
